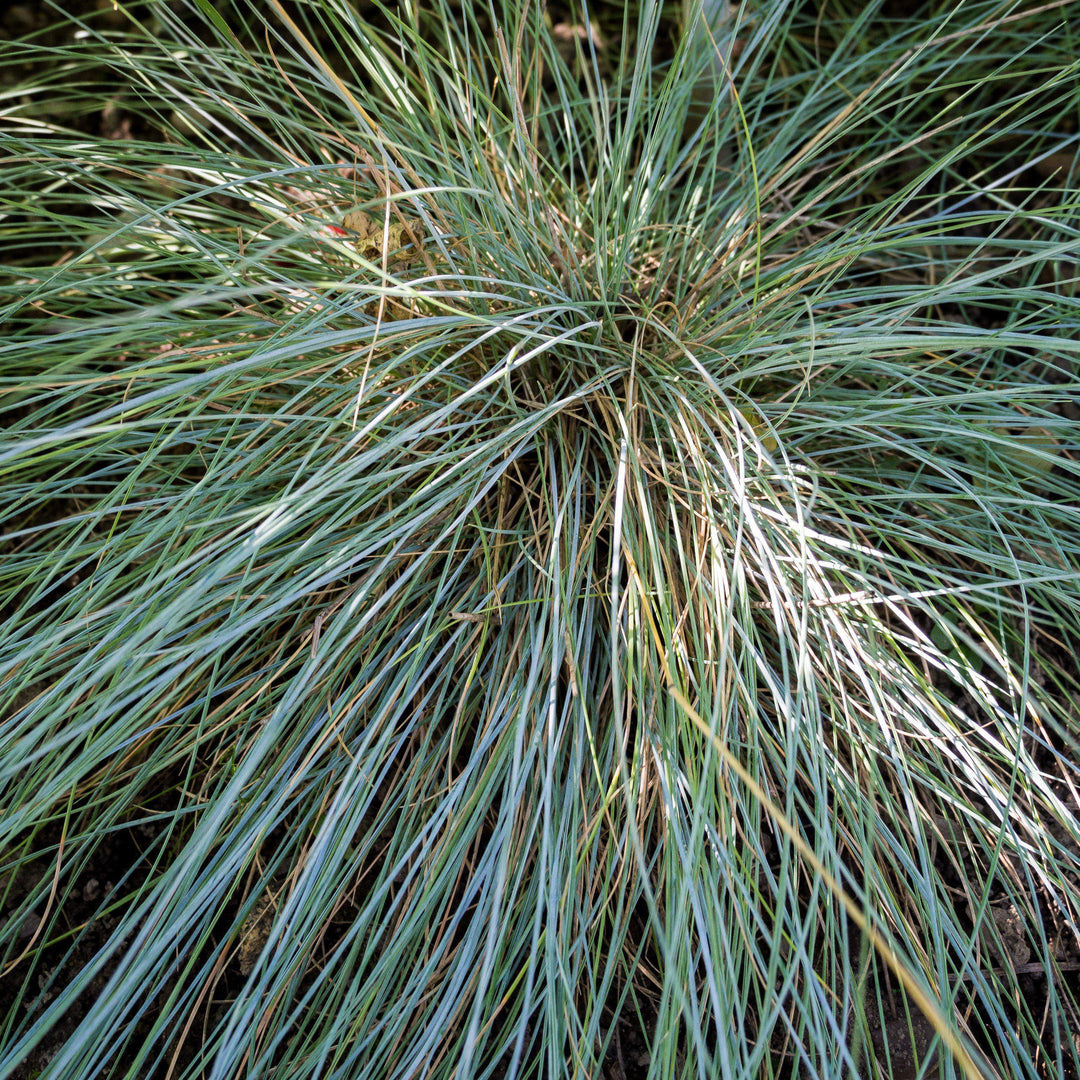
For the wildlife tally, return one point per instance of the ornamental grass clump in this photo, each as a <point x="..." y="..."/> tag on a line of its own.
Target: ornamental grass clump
<point x="540" y="541"/>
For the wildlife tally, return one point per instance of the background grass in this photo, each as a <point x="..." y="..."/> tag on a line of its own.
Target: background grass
<point x="368" y="580"/>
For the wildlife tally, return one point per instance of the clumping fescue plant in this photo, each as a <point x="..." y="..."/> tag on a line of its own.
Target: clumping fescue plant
<point x="540" y="542"/>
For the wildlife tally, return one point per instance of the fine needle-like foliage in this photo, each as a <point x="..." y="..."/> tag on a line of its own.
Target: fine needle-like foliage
<point x="540" y="541"/>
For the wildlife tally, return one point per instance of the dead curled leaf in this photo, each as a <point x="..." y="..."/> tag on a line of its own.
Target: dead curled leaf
<point x="371" y="239"/>
<point x="567" y="32"/>
<point x="255" y="932"/>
